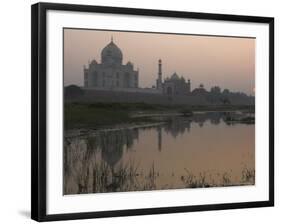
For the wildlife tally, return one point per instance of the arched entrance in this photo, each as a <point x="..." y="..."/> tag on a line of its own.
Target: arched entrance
<point x="169" y="90"/>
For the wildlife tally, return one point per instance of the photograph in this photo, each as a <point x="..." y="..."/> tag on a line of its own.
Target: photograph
<point x="139" y="111"/>
<point x="151" y="111"/>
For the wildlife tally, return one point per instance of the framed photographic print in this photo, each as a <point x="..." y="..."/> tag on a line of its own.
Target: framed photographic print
<point x="139" y="111"/>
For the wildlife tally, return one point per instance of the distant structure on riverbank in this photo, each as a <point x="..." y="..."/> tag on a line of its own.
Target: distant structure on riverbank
<point x="111" y="74"/>
<point x="113" y="81"/>
<point x="173" y="85"/>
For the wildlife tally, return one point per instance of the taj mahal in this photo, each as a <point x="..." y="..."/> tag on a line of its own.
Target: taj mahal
<point x="112" y="75"/>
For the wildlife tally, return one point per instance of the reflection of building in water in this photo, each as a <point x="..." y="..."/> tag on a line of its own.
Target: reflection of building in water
<point x="159" y="131"/>
<point x="213" y="117"/>
<point x="112" y="144"/>
<point x="177" y="125"/>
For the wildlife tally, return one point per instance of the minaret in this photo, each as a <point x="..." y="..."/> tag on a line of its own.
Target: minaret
<point x="188" y="86"/>
<point x="159" y="80"/>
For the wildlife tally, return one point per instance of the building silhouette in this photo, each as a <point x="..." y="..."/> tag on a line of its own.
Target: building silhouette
<point x="112" y="81"/>
<point x="110" y="73"/>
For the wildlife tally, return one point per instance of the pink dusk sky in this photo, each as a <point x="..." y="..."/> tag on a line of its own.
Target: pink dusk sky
<point x="228" y="62"/>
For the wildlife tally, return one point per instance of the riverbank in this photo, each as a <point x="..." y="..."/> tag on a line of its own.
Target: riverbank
<point x="100" y="115"/>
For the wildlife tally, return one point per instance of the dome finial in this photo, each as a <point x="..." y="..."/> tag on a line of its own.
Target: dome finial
<point x="111" y="52"/>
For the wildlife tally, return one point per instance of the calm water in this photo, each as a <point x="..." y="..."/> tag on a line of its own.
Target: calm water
<point x="201" y="151"/>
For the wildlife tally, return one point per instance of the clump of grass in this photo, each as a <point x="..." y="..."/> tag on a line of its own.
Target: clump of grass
<point x="248" y="175"/>
<point x="222" y="179"/>
<point x="192" y="181"/>
<point x="226" y="179"/>
<point x="150" y="183"/>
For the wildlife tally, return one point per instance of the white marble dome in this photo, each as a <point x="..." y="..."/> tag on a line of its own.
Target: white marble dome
<point x="111" y="54"/>
<point x="175" y="76"/>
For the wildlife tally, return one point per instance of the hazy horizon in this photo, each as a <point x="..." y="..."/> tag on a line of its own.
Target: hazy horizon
<point x="228" y="62"/>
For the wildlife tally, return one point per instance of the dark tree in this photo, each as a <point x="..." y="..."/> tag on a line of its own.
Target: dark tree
<point x="73" y="91"/>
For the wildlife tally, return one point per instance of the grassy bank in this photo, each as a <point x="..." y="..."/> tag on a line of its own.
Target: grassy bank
<point x="101" y="114"/>
<point x="79" y="115"/>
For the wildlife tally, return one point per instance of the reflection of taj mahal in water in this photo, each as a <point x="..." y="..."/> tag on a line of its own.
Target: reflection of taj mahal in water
<point x="110" y="160"/>
<point x="112" y="74"/>
<point x="113" y="142"/>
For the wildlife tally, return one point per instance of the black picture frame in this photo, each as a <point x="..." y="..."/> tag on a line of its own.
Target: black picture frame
<point x="39" y="122"/>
